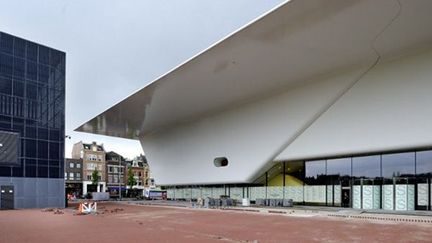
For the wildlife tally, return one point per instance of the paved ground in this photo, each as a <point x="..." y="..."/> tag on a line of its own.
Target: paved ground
<point x="134" y="223"/>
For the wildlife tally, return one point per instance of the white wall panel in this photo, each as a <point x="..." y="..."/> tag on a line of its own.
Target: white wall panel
<point x="388" y="109"/>
<point x="249" y="136"/>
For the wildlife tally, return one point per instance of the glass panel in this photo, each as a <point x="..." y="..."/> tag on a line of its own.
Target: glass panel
<point x="398" y="165"/>
<point x="367" y="167"/>
<point x="315" y="172"/>
<point x="424" y="163"/>
<point x="339" y="167"/>
<point x="5" y="86"/>
<point x="19" y="47"/>
<point x="6" y="44"/>
<point x="275" y="175"/>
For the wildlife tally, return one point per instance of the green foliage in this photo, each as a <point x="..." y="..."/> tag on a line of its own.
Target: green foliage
<point x="131" y="179"/>
<point x="95" y="177"/>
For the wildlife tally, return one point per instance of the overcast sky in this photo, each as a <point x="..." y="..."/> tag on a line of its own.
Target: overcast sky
<point x="114" y="48"/>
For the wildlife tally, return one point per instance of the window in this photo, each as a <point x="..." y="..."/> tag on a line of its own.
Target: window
<point x="71" y="165"/>
<point x="65" y="175"/>
<point x="78" y="165"/>
<point x="339" y="167"/>
<point x="71" y="176"/>
<point x="78" y="176"/>
<point x="398" y="165"/>
<point x="315" y="172"/>
<point x="367" y="166"/>
<point x="110" y="169"/>
<point x="424" y="163"/>
<point x="90" y="166"/>
<point x="89" y="177"/>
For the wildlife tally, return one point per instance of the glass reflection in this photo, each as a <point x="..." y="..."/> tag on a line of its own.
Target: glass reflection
<point x="398" y="165"/>
<point x="367" y="166"/>
<point x="315" y="172"/>
<point x="424" y="163"/>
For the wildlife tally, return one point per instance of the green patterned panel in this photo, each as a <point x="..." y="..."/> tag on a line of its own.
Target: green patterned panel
<point x="275" y="192"/>
<point x="401" y="197"/>
<point x="387" y="197"/>
<point x="170" y="194"/>
<point x="422" y="194"/>
<point x="338" y="194"/>
<point x="206" y="192"/>
<point x="376" y="197"/>
<point x="179" y="193"/>
<point x="329" y="194"/>
<point x="187" y="193"/>
<point x="196" y="193"/>
<point x="236" y="193"/>
<point x="356" y="197"/>
<point x="257" y="192"/>
<point x="315" y="194"/>
<point x="294" y="192"/>
<point x="217" y="192"/>
<point x="367" y="202"/>
<point x="411" y="199"/>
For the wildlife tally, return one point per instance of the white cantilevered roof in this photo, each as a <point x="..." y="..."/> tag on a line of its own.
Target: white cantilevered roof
<point x="294" y="42"/>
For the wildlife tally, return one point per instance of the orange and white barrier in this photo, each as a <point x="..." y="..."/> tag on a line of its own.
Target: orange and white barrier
<point x="87" y="207"/>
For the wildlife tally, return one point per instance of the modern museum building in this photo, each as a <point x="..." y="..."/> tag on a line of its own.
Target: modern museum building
<point x="32" y="104"/>
<point x="323" y="102"/>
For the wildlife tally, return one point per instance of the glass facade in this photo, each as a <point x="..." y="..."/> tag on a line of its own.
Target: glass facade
<point x="32" y="104"/>
<point x="388" y="181"/>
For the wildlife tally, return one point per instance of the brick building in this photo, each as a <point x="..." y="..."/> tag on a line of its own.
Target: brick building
<point x="93" y="158"/>
<point x="115" y="171"/>
<point x="73" y="176"/>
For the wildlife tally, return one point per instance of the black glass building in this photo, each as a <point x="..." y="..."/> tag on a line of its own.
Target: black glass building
<point x="32" y="123"/>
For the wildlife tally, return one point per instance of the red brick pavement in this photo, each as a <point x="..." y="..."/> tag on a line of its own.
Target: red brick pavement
<point x="165" y="224"/>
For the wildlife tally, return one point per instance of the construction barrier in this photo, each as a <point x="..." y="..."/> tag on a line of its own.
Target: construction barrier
<point x="87" y="207"/>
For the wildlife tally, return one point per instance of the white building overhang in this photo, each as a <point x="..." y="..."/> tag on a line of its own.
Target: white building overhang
<point x="293" y="43"/>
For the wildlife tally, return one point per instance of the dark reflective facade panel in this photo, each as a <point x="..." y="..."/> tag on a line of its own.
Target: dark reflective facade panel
<point x="32" y="95"/>
<point x="424" y="163"/>
<point x="398" y="165"/>
<point x="339" y="167"/>
<point x="367" y="166"/>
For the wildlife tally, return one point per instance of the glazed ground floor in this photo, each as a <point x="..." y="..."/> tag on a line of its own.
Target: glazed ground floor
<point x="397" y="180"/>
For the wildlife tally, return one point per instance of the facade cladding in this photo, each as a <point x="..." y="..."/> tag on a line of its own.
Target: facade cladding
<point x="32" y="104"/>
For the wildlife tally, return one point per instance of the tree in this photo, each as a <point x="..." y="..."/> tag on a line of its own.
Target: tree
<point x="95" y="177"/>
<point x="131" y="179"/>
